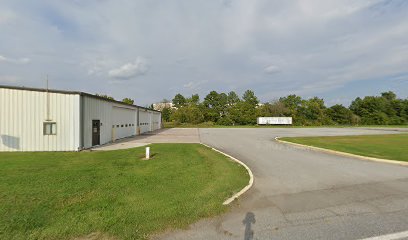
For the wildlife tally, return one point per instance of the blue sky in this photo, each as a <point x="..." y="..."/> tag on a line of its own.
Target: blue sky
<point x="150" y="50"/>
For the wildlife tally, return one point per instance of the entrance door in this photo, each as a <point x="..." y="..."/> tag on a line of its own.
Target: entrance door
<point x="96" y="132"/>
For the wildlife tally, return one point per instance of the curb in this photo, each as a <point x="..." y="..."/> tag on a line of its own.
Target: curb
<point x="401" y="163"/>
<point x="251" y="176"/>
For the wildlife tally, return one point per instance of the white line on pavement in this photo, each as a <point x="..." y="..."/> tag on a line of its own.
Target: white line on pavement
<point x="392" y="236"/>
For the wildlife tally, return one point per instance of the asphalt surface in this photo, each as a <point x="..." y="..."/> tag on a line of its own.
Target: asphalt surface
<point x="302" y="194"/>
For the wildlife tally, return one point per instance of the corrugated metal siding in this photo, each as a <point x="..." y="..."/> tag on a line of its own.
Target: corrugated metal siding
<point x="22" y="114"/>
<point x="109" y="114"/>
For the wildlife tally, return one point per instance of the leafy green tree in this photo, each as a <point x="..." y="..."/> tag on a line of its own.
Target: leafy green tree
<point x="188" y="114"/>
<point x="372" y="110"/>
<point x="195" y="99"/>
<point x="292" y="102"/>
<point x="179" y="100"/>
<point x="216" y="105"/>
<point x="243" y="113"/>
<point x="389" y="95"/>
<point x="105" y="96"/>
<point x="232" y="98"/>
<point x="340" y="114"/>
<point x="273" y="109"/>
<point x="250" y="98"/>
<point x="128" y="101"/>
<point x="166" y="114"/>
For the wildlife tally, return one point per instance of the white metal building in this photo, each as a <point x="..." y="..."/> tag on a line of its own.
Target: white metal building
<point x="34" y="119"/>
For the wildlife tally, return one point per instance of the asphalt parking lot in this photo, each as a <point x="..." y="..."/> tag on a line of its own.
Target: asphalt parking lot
<point x="302" y="194"/>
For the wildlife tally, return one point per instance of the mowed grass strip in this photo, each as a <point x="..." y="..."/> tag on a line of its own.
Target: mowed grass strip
<point x="391" y="146"/>
<point x="113" y="194"/>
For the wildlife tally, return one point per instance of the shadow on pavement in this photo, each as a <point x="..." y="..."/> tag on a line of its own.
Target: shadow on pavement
<point x="248" y="221"/>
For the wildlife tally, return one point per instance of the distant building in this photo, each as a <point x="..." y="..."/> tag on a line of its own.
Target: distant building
<point x="160" y="106"/>
<point x="259" y="105"/>
<point x="33" y="119"/>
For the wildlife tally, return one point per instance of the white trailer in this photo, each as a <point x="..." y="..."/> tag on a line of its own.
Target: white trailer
<point x="33" y="119"/>
<point x="274" y="121"/>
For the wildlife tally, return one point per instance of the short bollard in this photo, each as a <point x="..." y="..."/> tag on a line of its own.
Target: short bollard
<point x="147" y="152"/>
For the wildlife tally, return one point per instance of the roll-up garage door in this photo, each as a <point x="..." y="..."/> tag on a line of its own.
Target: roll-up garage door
<point x="144" y="121"/>
<point x="124" y="122"/>
<point x="156" y="121"/>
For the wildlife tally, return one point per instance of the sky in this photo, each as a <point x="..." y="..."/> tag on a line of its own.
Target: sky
<point x="151" y="50"/>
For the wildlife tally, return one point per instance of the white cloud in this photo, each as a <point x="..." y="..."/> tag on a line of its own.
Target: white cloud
<point x="130" y="70"/>
<point x="272" y="69"/>
<point x="15" y="61"/>
<point x="231" y="44"/>
<point x="194" y="85"/>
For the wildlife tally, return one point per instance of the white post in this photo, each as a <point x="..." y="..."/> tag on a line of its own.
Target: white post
<point x="147" y="152"/>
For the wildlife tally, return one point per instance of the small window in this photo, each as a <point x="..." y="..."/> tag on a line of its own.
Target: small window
<point x="125" y="125"/>
<point x="117" y="126"/>
<point x="50" y="128"/>
<point x="113" y="126"/>
<point x="121" y="125"/>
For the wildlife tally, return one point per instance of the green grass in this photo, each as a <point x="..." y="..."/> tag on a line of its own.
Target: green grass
<point x="113" y="194"/>
<point x="212" y="125"/>
<point x="393" y="146"/>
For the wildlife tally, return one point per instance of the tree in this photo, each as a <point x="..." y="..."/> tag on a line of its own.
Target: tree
<point x="340" y="114"/>
<point x="195" y="99"/>
<point x="312" y="112"/>
<point x="179" y="100"/>
<point x="232" y="98"/>
<point x="188" y="114"/>
<point x="372" y="110"/>
<point x="166" y="114"/>
<point x="244" y="113"/>
<point x="250" y="98"/>
<point x="293" y="103"/>
<point x="273" y="109"/>
<point x="128" y="101"/>
<point x="389" y="95"/>
<point x="215" y="104"/>
<point x="105" y="96"/>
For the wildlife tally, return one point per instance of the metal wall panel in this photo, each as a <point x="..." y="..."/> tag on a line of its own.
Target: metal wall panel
<point x="110" y="114"/>
<point x="23" y="113"/>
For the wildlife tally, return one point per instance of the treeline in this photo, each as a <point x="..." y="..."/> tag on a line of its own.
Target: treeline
<point x="230" y="109"/>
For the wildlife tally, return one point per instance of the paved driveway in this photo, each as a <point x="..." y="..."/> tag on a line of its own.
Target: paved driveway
<point x="301" y="194"/>
<point x="169" y="135"/>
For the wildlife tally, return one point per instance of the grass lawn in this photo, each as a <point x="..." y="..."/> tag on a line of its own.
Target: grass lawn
<point x="212" y="125"/>
<point x="392" y="146"/>
<point x="113" y="194"/>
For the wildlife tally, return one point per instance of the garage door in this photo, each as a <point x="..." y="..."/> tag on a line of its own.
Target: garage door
<point x="144" y="121"/>
<point x="124" y="122"/>
<point x="156" y="121"/>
